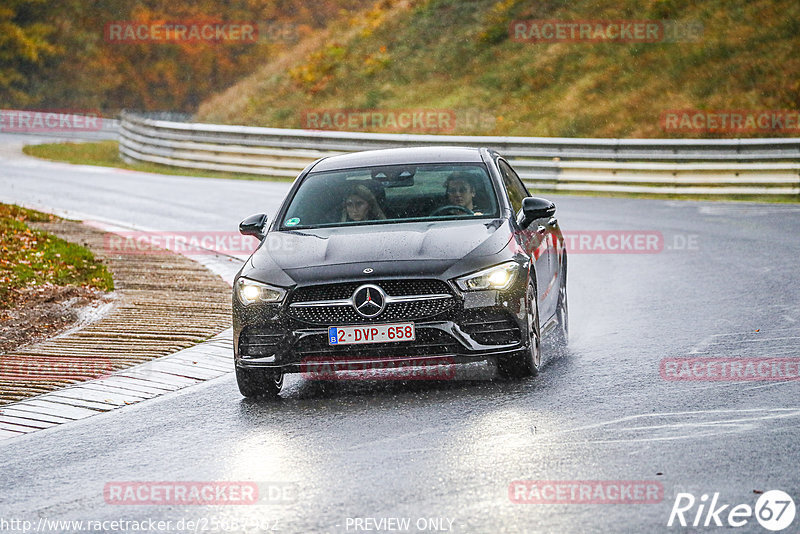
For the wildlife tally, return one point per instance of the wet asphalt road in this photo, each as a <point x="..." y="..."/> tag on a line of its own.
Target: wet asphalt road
<point x="725" y="285"/>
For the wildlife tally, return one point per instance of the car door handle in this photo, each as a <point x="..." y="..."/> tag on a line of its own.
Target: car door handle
<point x="552" y="222"/>
<point x="541" y="230"/>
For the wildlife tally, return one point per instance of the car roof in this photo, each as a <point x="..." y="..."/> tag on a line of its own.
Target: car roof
<point x="400" y="156"/>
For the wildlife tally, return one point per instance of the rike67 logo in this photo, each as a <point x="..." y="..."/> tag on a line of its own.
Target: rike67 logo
<point x="774" y="510"/>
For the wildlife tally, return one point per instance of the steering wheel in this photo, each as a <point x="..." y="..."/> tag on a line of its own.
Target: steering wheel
<point x="438" y="211"/>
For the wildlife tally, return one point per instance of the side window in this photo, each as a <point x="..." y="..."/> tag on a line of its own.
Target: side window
<point x="514" y="186"/>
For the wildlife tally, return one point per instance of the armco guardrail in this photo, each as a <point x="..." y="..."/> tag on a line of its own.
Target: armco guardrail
<point x="677" y="166"/>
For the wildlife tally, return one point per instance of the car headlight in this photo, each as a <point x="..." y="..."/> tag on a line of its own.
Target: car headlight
<point x="497" y="277"/>
<point x="250" y="291"/>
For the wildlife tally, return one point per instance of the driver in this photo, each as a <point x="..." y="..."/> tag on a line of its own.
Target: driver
<point x="461" y="192"/>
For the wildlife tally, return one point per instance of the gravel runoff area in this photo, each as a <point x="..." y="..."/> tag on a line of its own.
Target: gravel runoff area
<point x="165" y="303"/>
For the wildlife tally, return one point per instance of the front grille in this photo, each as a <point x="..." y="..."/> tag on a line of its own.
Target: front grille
<point x="255" y="341"/>
<point x="345" y="290"/>
<point x="491" y="327"/>
<point x="429" y="342"/>
<point x="398" y="311"/>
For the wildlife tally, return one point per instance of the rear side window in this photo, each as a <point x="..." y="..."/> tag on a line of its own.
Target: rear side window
<point x="514" y="186"/>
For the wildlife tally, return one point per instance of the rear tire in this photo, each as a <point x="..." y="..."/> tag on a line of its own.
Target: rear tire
<point x="529" y="361"/>
<point x="257" y="382"/>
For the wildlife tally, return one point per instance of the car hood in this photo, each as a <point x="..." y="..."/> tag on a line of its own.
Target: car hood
<point x="388" y="249"/>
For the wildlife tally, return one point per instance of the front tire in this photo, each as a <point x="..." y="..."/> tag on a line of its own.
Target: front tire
<point x="529" y="361"/>
<point x="257" y="382"/>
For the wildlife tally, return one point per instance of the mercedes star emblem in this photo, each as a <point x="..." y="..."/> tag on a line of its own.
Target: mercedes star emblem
<point x="369" y="300"/>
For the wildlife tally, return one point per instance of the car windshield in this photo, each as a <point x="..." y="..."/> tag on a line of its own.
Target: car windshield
<point x="396" y="193"/>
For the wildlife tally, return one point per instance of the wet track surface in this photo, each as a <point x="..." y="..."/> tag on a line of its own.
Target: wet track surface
<point x="723" y="286"/>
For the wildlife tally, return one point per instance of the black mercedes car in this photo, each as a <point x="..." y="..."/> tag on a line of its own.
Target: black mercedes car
<point x="408" y="256"/>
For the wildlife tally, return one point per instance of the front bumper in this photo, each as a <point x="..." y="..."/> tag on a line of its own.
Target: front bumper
<point x="482" y="325"/>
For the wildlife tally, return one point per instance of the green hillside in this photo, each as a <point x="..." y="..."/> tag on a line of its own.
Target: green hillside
<point x="457" y="55"/>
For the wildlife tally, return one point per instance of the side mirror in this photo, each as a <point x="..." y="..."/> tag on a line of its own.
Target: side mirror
<point x="536" y="208"/>
<point x="254" y="226"/>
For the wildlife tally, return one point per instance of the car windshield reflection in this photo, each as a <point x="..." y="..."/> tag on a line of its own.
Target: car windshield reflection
<point x="391" y="194"/>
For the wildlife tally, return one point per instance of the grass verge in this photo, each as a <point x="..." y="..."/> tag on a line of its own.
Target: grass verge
<point x="30" y="258"/>
<point x="106" y="154"/>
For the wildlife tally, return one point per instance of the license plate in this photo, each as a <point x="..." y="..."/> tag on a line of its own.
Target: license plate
<point x="374" y="333"/>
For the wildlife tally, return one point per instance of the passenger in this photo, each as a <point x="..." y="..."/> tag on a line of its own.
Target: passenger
<point x="360" y="205"/>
